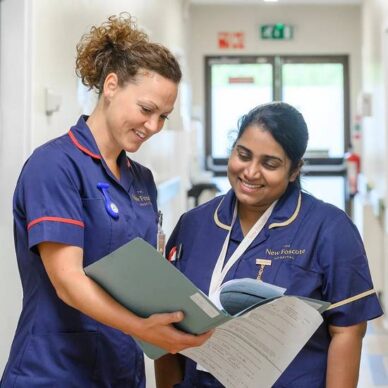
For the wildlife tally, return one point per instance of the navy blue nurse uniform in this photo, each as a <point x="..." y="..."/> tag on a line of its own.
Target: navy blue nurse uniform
<point x="57" y="200"/>
<point x="313" y="249"/>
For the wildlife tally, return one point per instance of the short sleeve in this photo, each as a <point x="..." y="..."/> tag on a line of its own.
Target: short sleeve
<point x="347" y="280"/>
<point x="49" y="199"/>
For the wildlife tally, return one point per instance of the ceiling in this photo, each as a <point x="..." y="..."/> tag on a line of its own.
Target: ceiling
<point x="279" y="2"/>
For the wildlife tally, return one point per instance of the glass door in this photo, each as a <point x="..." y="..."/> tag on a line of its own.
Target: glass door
<point x="237" y="85"/>
<point x="317" y="90"/>
<point x="318" y="86"/>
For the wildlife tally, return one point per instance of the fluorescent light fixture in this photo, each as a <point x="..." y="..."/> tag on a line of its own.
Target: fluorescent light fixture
<point x="271" y="1"/>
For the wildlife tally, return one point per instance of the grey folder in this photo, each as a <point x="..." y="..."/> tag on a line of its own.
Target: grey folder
<point x="140" y="278"/>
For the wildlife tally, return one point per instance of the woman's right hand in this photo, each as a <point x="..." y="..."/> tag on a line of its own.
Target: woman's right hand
<point x="158" y="330"/>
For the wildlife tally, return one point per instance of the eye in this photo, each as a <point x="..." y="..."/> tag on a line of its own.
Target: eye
<point x="164" y="117"/>
<point x="145" y="109"/>
<point x="271" y="164"/>
<point x="243" y="155"/>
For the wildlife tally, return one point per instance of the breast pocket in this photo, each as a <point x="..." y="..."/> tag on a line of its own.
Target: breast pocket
<point x="298" y="279"/>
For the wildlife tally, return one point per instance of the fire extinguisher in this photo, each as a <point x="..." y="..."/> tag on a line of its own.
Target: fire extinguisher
<point x="353" y="165"/>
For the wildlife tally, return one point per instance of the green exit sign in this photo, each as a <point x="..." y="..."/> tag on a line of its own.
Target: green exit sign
<point x="277" y="31"/>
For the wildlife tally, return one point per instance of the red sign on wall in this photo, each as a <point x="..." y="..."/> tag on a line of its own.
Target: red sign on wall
<point x="231" y="40"/>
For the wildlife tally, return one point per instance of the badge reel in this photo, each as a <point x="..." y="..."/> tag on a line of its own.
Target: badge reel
<point x="110" y="206"/>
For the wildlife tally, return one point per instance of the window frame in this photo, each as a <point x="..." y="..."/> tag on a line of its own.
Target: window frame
<point x="313" y="165"/>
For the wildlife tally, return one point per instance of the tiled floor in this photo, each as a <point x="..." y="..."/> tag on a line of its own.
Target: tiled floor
<point x="374" y="361"/>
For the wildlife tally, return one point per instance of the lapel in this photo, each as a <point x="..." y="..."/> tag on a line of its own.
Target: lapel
<point x="285" y="213"/>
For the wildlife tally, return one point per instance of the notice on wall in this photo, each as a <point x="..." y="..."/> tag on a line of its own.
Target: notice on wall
<point x="231" y="40"/>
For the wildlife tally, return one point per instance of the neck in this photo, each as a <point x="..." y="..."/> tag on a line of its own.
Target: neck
<point x="105" y="142"/>
<point x="248" y="216"/>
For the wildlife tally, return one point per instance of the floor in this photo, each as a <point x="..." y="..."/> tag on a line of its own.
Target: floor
<point x="374" y="360"/>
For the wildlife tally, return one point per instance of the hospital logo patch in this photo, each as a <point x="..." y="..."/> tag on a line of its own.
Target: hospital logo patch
<point x="141" y="199"/>
<point x="285" y="253"/>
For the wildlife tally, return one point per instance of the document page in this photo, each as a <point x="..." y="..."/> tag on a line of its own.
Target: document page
<point x="254" y="349"/>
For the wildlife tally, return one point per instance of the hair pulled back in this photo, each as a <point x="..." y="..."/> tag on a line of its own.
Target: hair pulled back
<point x="118" y="46"/>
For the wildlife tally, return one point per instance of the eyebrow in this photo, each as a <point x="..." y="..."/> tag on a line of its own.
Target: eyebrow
<point x="241" y="147"/>
<point x="154" y="106"/>
<point x="147" y="102"/>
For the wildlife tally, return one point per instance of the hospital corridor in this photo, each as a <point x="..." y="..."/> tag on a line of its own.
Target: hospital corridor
<point x="244" y="140"/>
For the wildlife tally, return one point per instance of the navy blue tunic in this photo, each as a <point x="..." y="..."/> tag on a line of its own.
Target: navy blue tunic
<point x="314" y="250"/>
<point x="57" y="200"/>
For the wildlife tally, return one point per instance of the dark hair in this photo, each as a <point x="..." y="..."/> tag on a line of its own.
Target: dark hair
<point x="118" y="46"/>
<point x="286" y="125"/>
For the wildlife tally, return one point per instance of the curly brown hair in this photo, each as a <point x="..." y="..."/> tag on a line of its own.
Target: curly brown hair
<point x="118" y="46"/>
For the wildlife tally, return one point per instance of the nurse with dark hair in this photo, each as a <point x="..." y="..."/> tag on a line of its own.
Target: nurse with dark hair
<point x="80" y="197"/>
<point x="303" y="244"/>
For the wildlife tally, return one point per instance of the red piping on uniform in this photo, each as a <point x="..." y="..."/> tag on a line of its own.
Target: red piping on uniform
<point x="82" y="148"/>
<point x="55" y="219"/>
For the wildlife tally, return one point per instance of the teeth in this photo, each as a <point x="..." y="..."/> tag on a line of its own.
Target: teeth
<point x="250" y="186"/>
<point x="140" y="134"/>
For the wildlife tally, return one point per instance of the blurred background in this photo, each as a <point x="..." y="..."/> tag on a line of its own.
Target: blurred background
<point x="329" y="58"/>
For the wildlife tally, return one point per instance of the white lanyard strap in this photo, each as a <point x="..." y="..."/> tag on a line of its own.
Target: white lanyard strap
<point x="219" y="273"/>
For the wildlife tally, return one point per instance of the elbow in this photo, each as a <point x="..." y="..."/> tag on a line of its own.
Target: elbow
<point x="64" y="296"/>
<point x="68" y="287"/>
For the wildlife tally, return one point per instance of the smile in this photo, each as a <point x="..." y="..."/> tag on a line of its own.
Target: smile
<point x="140" y="134"/>
<point x="250" y="186"/>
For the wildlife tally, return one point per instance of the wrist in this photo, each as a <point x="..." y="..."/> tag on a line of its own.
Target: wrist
<point x="136" y="327"/>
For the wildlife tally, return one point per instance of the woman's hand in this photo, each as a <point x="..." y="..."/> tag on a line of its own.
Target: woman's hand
<point x="158" y="330"/>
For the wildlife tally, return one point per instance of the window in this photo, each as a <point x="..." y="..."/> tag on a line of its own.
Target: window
<point x="318" y="86"/>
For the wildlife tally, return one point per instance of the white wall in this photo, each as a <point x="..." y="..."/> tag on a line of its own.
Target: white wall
<point x="38" y="39"/>
<point x="15" y="122"/>
<point x="317" y="30"/>
<point x="375" y="128"/>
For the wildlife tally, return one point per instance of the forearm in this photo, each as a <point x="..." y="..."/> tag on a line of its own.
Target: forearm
<point x="168" y="371"/>
<point x="63" y="264"/>
<point x="344" y="358"/>
<point x="83" y="294"/>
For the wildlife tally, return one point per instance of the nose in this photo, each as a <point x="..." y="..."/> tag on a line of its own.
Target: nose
<point x="252" y="171"/>
<point x="153" y="124"/>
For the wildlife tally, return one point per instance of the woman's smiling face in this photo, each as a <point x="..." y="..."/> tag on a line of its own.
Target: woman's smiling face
<point x="259" y="170"/>
<point x="138" y="110"/>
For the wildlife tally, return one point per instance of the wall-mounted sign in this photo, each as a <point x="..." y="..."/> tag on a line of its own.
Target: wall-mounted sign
<point x="277" y="31"/>
<point x="231" y="40"/>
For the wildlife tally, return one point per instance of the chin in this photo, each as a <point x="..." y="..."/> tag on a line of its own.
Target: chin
<point x="131" y="147"/>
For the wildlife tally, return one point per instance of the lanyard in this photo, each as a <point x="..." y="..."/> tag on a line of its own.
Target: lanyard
<point x="219" y="273"/>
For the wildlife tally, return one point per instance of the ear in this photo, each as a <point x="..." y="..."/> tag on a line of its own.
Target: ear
<point x="111" y="85"/>
<point x="296" y="172"/>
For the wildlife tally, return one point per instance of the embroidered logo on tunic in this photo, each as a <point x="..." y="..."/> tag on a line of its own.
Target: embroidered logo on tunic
<point x="285" y="253"/>
<point x="141" y="199"/>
